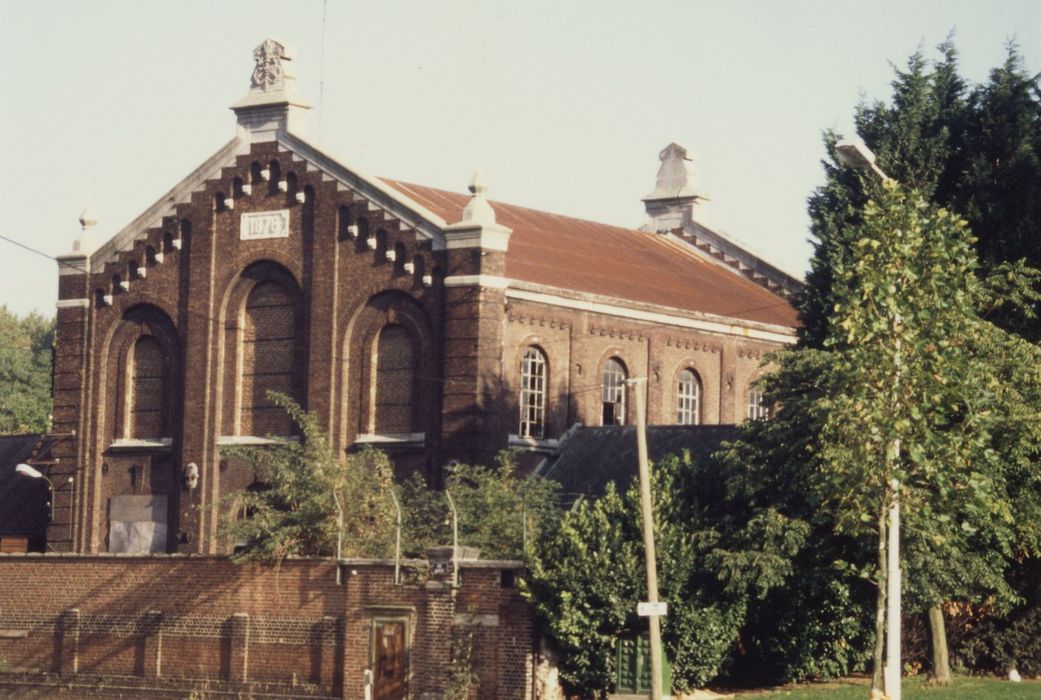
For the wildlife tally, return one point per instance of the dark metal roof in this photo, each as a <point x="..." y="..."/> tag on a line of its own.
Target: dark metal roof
<point x="589" y="458"/>
<point x="23" y="501"/>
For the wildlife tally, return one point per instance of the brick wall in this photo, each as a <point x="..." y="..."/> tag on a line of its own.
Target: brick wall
<point x="175" y="621"/>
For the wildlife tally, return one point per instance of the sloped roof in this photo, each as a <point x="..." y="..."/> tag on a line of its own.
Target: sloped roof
<point x="23" y="501"/>
<point x="611" y="261"/>
<point x="591" y="457"/>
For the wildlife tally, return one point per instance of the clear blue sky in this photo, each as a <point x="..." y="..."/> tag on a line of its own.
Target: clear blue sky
<point x="565" y="105"/>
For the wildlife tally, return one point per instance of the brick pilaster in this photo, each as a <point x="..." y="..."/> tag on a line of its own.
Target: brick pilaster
<point x="69" y="642"/>
<point x="238" y="664"/>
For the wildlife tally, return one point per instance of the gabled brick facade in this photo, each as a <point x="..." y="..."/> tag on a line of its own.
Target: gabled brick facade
<point x="399" y="313"/>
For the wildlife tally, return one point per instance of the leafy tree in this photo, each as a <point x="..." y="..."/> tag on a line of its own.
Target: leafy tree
<point x="307" y="497"/>
<point x="908" y="387"/>
<point x="973" y="149"/>
<point x="498" y="510"/>
<point x="586" y="577"/>
<point x="25" y="372"/>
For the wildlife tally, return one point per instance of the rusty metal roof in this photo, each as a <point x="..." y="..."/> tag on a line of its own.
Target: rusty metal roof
<point x="611" y="261"/>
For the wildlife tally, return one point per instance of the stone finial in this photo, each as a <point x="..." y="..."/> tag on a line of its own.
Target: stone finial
<point x="271" y="107"/>
<point x="675" y="175"/>
<point x="478" y="210"/>
<point x="273" y="71"/>
<point x="88" y="221"/>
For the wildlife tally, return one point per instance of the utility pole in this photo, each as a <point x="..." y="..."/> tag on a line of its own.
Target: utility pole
<point x="638" y="387"/>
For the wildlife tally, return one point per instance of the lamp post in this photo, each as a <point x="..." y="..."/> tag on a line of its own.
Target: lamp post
<point x="26" y="470"/>
<point x="855" y="154"/>
<point x="650" y="556"/>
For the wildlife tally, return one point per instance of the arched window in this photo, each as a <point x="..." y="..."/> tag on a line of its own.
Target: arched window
<point x="613" y="393"/>
<point x="146" y="398"/>
<point x="533" y="393"/>
<point x="268" y="359"/>
<point x="395" y="382"/>
<point x="757" y="408"/>
<point x="688" y="398"/>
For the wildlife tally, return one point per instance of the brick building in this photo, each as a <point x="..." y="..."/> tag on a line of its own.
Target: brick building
<point x="432" y="324"/>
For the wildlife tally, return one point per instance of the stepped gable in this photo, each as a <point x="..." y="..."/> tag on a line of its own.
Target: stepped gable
<point x="611" y="261"/>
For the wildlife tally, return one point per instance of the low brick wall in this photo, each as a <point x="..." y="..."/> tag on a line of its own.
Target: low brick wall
<point x="177" y="620"/>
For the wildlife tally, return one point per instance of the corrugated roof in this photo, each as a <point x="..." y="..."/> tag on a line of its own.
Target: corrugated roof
<point x="589" y="458"/>
<point x="23" y="501"/>
<point x="584" y="256"/>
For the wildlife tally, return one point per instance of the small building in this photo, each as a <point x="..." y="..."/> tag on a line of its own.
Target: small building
<point x="435" y="325"/>
<point x="24" y="501"/>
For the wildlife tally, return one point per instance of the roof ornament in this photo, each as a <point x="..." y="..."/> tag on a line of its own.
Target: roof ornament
<point x="88" y="221"/>
<point x="478" y="210"/>
<point x="675" y="176"/>
<point x="273" y="71"/>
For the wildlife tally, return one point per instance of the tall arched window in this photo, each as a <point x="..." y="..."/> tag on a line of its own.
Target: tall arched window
<point x="146" y="398"/>
<point x="268" y="359"/>
<point x="533" y="393"/>
<point x="757" y="408"/>
<point x="613" y="393"/>
<point x="688" y="398"/>
<point x="395" y="381"/>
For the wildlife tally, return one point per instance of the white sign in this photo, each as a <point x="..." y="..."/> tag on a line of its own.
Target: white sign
<point x="264" y="224"/>
<point x="652" y="609"/>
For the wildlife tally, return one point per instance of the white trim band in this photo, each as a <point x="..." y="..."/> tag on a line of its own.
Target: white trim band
<point x="651" y="316"/>
<point x="392" y="438"/>
<point x="490" y="281"/>
<point x="72" y="304"/>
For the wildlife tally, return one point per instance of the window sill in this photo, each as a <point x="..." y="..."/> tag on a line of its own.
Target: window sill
<point x="254" y="441"/>
<point x="534" y="444"/>
<point x="417" y="439"/>
<point x="129" y="444"/>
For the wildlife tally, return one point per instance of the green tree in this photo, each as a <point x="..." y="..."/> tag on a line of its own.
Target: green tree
<point x="307" y="498"/>
<point x="973" y="149"/>
<point x="26" y="346"/>
<point x="499" y="510"/>
<point x="586" y="576"/>
<point x="907" y="387"/>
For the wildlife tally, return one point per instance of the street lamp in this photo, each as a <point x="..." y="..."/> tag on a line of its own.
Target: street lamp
<point x="26" y="470"/>
<point x="854" y="153"/>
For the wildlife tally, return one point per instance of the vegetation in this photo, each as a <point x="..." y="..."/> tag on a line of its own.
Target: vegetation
<point x="498" y="510"/>
<point x="977" y="152"/>
<point x="25" y="372"/>
<point x="586" y="577"/>
<point x="914" y="689"/>
<point x="306" y="496"/>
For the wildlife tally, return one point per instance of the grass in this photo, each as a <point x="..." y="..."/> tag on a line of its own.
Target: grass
<point x="915" y="688"/>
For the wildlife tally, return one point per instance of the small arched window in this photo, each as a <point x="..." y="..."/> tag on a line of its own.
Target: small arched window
<point x="146" y="394"/>
<point x="613" y="393"/>
<point x="533" y="393"/>
<point x="395" y="385"/>
<point x="268" y="359"/>
<point x="688" y="398"/>
<point x="757" y="408"/>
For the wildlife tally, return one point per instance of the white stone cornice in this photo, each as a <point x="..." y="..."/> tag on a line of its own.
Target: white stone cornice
<point x="484" y="236"/>
<point x="489" y="281"/>
<point x="718" y="324"/>
<point x="72" y="304"/>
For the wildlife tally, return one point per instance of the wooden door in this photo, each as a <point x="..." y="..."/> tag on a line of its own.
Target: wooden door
<point x="390" y="669"/>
